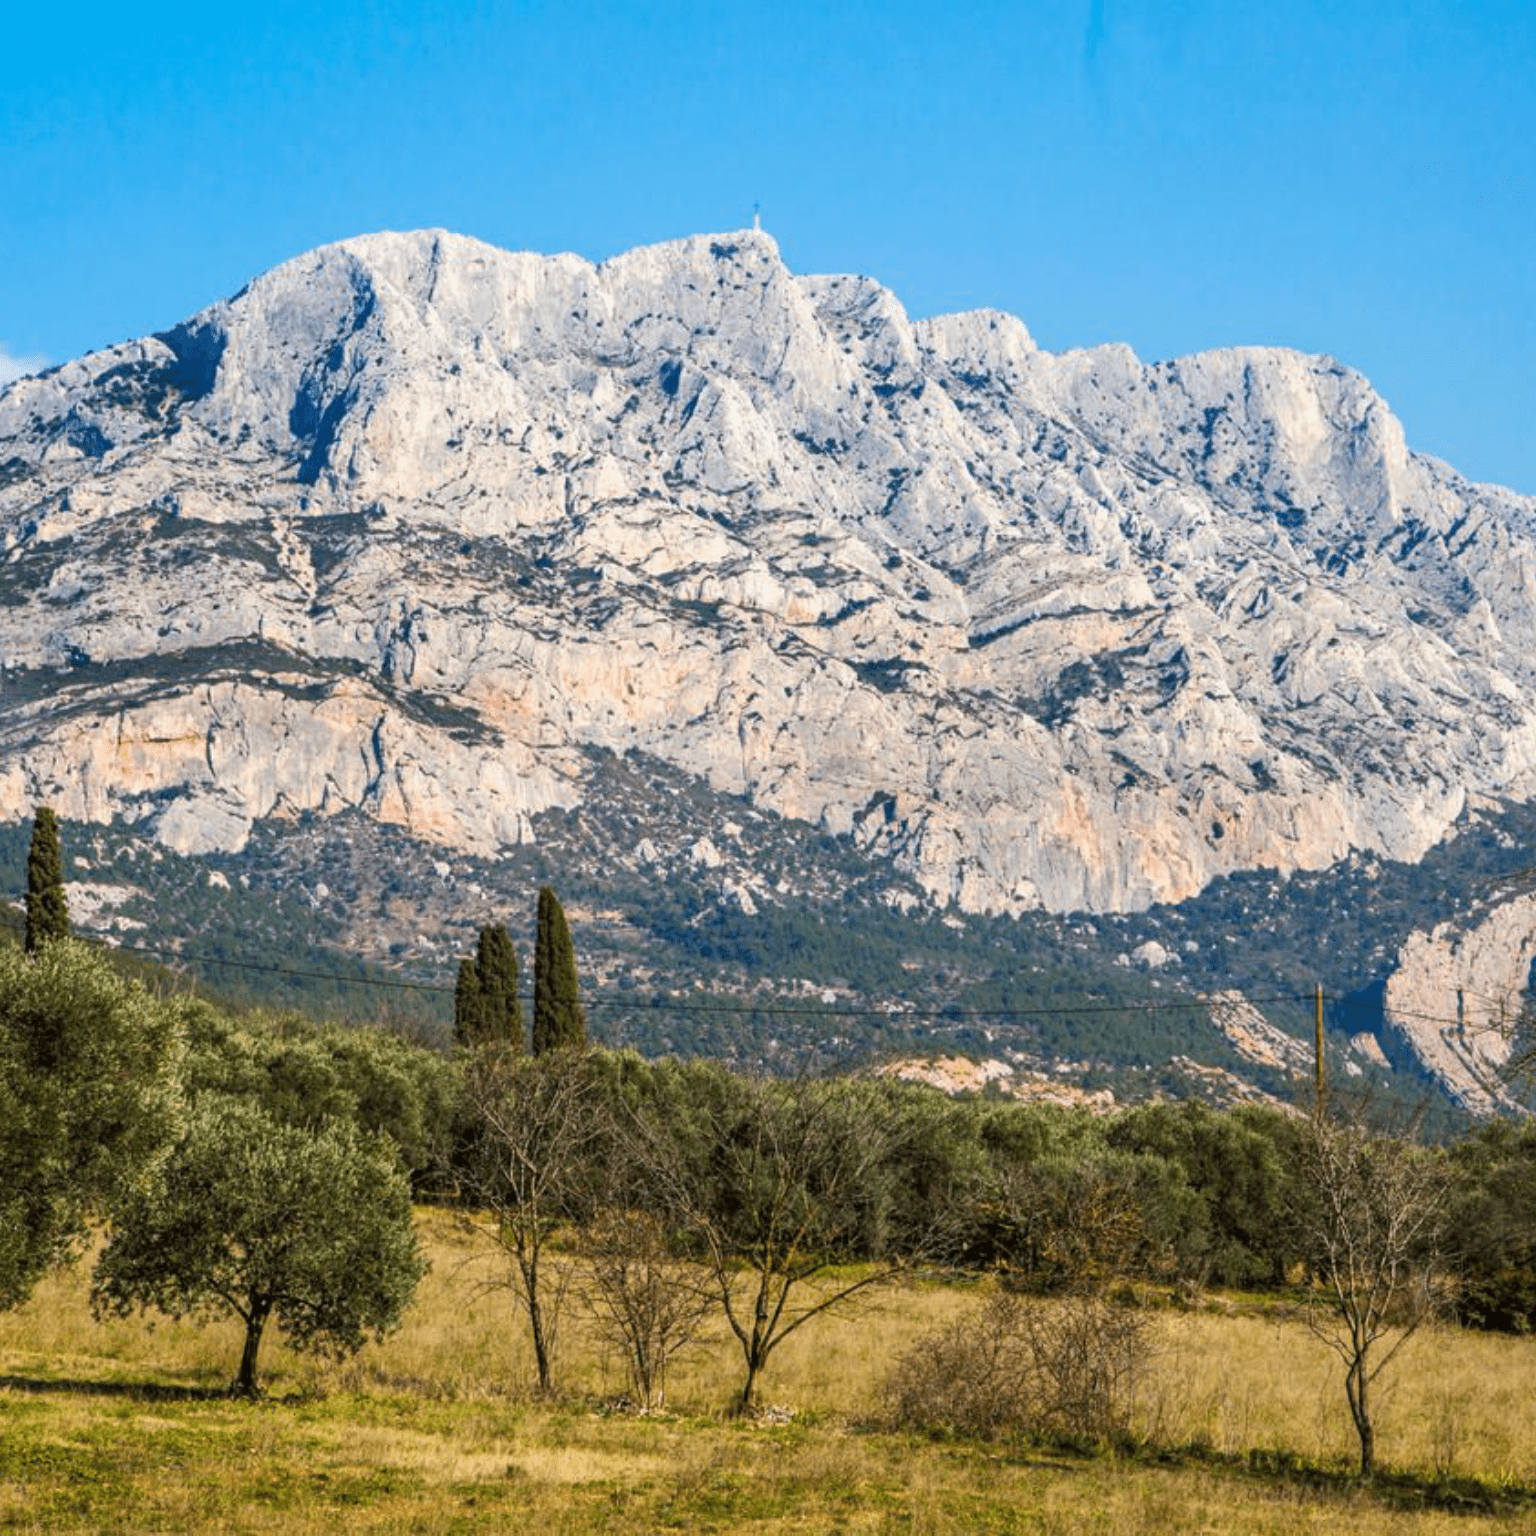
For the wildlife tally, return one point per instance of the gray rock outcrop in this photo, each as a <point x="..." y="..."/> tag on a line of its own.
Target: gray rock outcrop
<point x="1453" y="999"/>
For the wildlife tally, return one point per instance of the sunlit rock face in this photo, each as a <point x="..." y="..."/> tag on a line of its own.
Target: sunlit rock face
<point x="411" y="521"/>
<point x="1455" y="1004"/>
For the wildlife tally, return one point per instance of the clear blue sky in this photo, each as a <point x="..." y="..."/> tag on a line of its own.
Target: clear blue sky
<point x="1355" y="178"/>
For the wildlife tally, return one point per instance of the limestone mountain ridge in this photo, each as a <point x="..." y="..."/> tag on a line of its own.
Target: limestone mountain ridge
<point x="414" y="525"/>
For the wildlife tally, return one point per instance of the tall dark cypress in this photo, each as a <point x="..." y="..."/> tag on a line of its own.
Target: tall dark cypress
<point x="47" y="914"/>
<point x="502" y="1008"/>
<point x="468" y="1009"/>
<point x="486" y="1007"/>
<point x="558" y="1019"/>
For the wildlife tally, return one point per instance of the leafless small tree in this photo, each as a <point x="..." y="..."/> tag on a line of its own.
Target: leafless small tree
<point x="967" y="1378"/>
<point x="1371" y="1209"/>
<point x="777" y="1186"/>
<point x="1089" y="1357"/>
<point x="537" y="1124"/>
<point x="644" y="1300"/>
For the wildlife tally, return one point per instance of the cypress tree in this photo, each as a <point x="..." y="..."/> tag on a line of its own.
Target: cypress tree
<point x="486" y="1007"/>
<point x="47" y="915"/>
<point x="468" y="1009"/>
<point x="502" y="1008"/>
<point x="558" y="1019"/>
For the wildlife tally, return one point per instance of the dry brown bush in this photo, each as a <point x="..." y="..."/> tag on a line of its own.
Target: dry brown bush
<point x="1071" y="1368"/>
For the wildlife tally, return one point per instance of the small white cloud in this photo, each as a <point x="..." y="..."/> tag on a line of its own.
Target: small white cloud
<point x="13" y="366"/>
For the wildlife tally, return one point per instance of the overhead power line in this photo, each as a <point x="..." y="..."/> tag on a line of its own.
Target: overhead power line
<point x="656" y="1003"/>
<point x="660" y="1004"/>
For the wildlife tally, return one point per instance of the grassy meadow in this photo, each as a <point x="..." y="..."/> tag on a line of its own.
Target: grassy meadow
<point x="123" y="1426"/>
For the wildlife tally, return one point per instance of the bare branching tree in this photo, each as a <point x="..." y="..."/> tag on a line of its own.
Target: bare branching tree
<point x="644" y="1300"/>
<point x="1088" y="1359"/>
<point x="538" y="1124"/>
<point x="776" y="1185"/>
<point x="1371" y="1209"/>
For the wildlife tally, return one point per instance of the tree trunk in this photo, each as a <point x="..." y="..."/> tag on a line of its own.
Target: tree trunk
<point x="1357" y="1385"/>
<point x="755" y="1347"/>
<point x="748" y="1399"/>
<point x="645" y="1377"/>
<point x="255" y="1322"/>
<point x="541" y="1354"/>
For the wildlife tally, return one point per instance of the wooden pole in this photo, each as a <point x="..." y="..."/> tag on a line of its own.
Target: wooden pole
<point x="1317" y="1020"/>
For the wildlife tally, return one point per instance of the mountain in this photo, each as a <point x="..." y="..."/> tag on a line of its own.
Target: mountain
<point x="431" y="532"/>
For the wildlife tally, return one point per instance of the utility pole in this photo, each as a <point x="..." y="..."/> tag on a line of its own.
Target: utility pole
<point x="1317" y="1021"/>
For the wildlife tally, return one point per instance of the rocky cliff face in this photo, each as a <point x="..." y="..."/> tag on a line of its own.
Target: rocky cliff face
<point x="1451" y="1004"/>
<point x="411" y="521"/>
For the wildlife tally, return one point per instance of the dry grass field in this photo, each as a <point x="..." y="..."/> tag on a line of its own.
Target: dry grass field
<point x="123" y="1427"/>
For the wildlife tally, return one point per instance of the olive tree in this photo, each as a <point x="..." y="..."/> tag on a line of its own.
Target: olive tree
<point x="1493" y="1218"/>
<point x="270" y="1222"/>
<point x="90" y="1100"/>
<point x="302" y="1073"/>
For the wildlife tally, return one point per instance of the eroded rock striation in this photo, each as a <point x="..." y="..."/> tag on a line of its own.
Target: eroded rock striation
<point x="411" y="521"/>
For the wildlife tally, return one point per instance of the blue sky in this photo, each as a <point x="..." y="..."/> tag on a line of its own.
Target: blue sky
<point x="1349" y="178"/>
